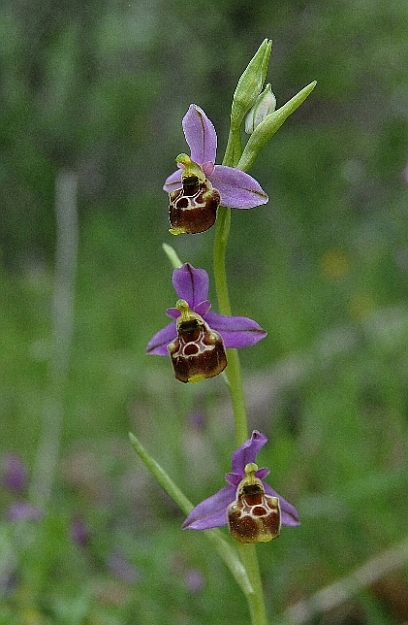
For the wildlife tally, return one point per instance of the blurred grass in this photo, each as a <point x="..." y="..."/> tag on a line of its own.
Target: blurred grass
<point x="101" y="88"/>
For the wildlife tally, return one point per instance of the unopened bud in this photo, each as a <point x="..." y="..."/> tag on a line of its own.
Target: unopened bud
<point x="250" y="83"/>
<point x="264" y="105"/>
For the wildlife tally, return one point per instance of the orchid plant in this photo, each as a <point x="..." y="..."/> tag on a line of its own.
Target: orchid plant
<point x="201" y="343"/>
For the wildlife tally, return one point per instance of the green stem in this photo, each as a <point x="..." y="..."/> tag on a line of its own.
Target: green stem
<point x="220" y="247"/>
<point x="256" y="600"/>
<point x="233" y="371"/>
<point x="234" y="378"/>
<point x="234" y="147"/>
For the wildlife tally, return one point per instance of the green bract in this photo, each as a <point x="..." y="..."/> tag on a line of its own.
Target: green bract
<point x="269" y="126"/>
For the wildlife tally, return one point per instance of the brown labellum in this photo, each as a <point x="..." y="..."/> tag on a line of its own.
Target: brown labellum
<point x="254" y="517"/>
<point x="198" y="352"/>
<point x="193" y="208"/>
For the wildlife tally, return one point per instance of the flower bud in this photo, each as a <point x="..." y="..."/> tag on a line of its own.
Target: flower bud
<point x="264" y="105"/>
<point x="250" y="83"/>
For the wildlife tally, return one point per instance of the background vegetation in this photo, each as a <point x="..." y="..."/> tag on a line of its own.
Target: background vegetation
<point x="99" y="89"/>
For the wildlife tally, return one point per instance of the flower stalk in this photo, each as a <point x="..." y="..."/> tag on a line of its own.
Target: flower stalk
<point x="234" y="157"/>
<point x="233" y="371"/>
<point x="256" y="600"/>
<point x="249" y="558"/>
<point x="202" y="343"/>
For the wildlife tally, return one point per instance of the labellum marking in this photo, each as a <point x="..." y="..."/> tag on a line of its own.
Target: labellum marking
<point x="193" y="207"/>
<point x="198" y="352"/>
<point x="192" y="213"/>
<point x="254" y="516"/>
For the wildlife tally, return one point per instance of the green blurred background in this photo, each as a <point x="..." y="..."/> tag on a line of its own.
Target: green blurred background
<point x="99" y="89"/>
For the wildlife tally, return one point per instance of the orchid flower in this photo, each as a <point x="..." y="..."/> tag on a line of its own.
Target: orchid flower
<point x="198" y="186"/>
<point x="253" y="510"/>
<point x="197" y="338"/>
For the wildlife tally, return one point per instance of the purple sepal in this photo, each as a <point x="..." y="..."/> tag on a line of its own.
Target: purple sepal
<point x="289" y="514"/>
<point x="247" y="452"/>
<point x="191" y="284"/>
<point x="158" y="344"/>
<point x="200" y="135"/>
<point x="237" y="332"/>
<point x="237" y="189"/>
<point x="211" y="512"/>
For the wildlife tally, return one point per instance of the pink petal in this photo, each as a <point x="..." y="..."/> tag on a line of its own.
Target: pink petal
<point x="200" y="135"/>
<point x="208" y="168"/>
<point x="158" y="344"/>
<point x="237" y="189"/>
<point x="173" y="313"/>
<point x="191" y="284"/>
<point x="203" y="308"/>
<point x="236" y="332"/>
<point x="173" y="182"/>
<point x="262" y="473"/>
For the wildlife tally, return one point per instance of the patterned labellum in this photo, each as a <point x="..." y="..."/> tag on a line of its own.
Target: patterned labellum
<point x="198" y="352"/>
<point x="254" y="516"/>
<point x="193" y="208"/>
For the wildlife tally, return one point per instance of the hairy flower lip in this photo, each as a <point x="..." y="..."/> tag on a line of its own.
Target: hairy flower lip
<point x="212" y="512"/>
<point x="192" y="285"/>
<point x="237" y="188"/>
